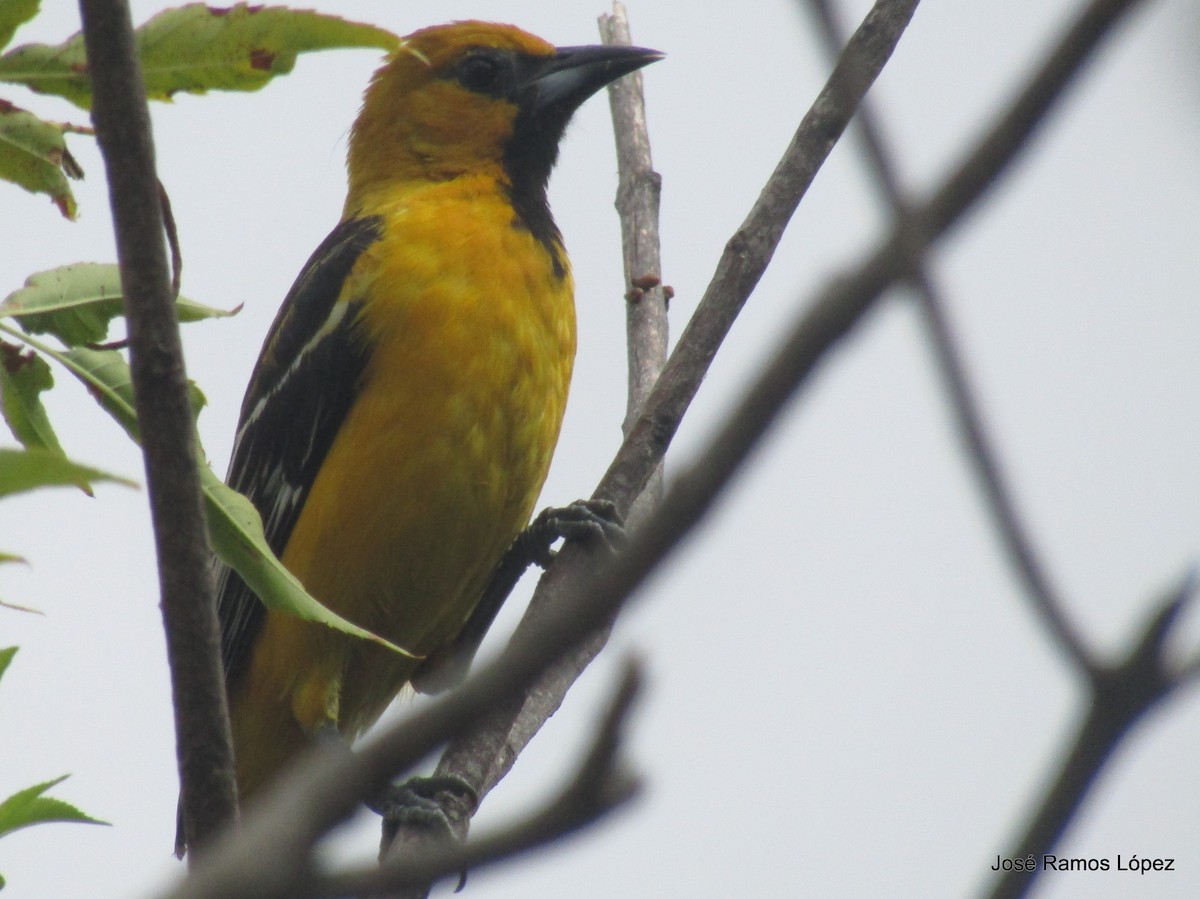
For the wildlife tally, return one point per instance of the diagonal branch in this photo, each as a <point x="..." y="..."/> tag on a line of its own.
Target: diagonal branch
<point x="483" y="757"/>
<point x="1047" y="604"/>
<point x="164" y="413"/>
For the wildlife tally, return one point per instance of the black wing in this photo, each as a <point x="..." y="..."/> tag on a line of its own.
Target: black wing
<point x="302" y="387"/>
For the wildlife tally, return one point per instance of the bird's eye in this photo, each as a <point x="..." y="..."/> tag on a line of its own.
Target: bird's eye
<point x="480" y="72"/>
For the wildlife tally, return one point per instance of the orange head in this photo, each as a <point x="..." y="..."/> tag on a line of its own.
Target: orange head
<point x="475" y="98"/>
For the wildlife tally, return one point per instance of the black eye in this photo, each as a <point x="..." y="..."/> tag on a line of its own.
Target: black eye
<point x="482" y="72"/>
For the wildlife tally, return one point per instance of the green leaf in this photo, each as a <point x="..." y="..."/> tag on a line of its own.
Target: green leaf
<point x="6" y="656"/>
<point x="77" y="302"/>
<point x="34" y="155"/>
<point x="28" y="469"/>
<point x="13" y="14"/>
<point x="28" y="807"/>
<point x="23" y="378"/>
<point x="236" y="531"/>
<point x="234" y="525"/>
<point x="197" y="48"/>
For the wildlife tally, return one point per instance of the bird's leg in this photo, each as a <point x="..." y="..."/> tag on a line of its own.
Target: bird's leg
<point x="587" y="520"/>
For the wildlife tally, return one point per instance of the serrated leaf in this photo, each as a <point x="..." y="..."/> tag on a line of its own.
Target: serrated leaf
<point x="197" y="48"/>
<point x="234" y="525"/>
<point x="22" y="470"/>
<point x="77" y="302"/>
<point x="23" y="379"/>
<point x="28" y="807"/>
<point x="13" y="14"/>
<point x="34" y="155"/>
<point x="6" y="656"/>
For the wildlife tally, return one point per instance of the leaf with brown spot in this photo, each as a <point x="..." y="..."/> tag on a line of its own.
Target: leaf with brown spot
<point x="33" y="155"/>
<point x="197" y="48"/>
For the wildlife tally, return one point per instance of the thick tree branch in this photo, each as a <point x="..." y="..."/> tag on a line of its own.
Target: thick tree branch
<point x="164" y="411"/>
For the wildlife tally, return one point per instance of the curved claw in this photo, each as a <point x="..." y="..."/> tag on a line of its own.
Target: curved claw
<point x="584" y="519"/>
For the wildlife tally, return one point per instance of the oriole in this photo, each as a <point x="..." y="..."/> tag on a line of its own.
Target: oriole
<point x="400" y="421"/>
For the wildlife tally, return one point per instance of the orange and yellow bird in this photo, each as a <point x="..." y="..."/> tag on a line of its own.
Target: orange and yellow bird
<point x="400" y="421"/>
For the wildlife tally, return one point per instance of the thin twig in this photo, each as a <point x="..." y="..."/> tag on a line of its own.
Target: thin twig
<point x="1047" y="604"/>
<point x="164" y="411"/>
<point x="639" y="190"/>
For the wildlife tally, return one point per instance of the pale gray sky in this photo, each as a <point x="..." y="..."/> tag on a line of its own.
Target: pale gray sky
<point x="847" y="695"/>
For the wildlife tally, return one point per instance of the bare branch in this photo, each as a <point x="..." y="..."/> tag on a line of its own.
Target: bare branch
<point x="638" y="194"/>
<point x="164" y="419"/>
<point x="751" y="247"/>
<point x="1020" y="549"/>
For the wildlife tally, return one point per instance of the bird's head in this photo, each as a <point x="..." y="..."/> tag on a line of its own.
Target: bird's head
<point x="476" y="97"/>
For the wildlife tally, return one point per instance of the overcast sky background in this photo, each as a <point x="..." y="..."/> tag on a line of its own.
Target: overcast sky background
<point x="847" y="695"/>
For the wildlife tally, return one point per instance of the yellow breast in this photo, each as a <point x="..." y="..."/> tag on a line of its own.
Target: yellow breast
<point x="438" y="465"/>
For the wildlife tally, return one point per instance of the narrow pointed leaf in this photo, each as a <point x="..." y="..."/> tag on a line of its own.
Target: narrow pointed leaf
<point x="236" y="531"/>
<point x="28" y="807"/>
<point x="28" y="469"/>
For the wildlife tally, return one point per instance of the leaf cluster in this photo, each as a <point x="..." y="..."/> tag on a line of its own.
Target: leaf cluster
<point x="61" y="318"/>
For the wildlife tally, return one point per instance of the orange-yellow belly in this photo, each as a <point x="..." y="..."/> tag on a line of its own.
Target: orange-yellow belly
<point x="433" y="473"/>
